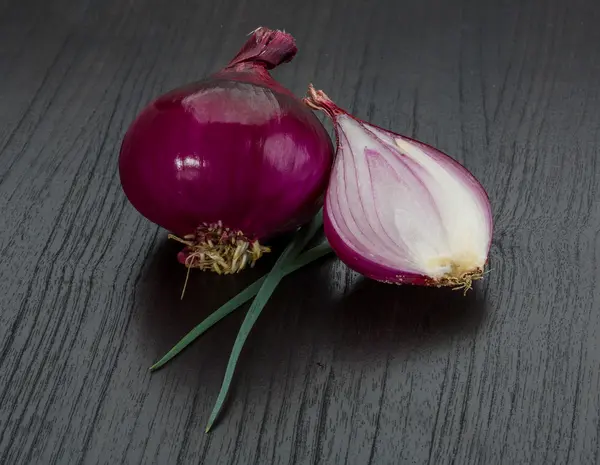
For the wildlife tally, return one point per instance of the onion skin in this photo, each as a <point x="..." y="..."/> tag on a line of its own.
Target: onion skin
<point x="236" y="148"/>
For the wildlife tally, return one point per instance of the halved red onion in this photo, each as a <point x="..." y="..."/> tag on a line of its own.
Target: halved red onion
<point x="400" y="211"/>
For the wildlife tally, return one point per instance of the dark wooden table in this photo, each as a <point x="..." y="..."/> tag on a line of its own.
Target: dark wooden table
<point x="339" y="370"/>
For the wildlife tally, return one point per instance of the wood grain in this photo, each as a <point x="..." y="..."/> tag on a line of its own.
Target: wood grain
<point x="338" y="370"/>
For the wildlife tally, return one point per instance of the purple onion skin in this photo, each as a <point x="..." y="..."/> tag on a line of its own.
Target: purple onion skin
<point x="236" y="148"/>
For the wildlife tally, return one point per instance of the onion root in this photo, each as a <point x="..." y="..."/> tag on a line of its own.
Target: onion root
<point x="222" y="250"/>
<point x="462" y="282"/>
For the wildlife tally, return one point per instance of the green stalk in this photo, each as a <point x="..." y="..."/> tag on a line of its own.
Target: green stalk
<point x="271" y="281"/>
<point x="240" y="299"/>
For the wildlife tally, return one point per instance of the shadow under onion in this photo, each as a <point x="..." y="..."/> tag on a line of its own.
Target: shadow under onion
<point x="380" y="317"/>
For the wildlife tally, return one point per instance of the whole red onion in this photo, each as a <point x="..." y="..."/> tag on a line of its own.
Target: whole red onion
<point x="229" y="161"/>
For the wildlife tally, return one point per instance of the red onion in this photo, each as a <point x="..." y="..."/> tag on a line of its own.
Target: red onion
<point x="400" y="211"/>
<point x="229" y="161"/>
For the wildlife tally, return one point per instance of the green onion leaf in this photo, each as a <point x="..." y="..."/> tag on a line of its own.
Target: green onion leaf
<point x="268" y="287"/>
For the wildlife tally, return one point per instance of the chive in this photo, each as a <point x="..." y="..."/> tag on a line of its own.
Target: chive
<point x="268" y="287"/>
<point x="244" y="296"/>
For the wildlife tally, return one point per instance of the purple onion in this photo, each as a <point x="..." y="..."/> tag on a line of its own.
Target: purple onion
<point x="400" y="211"/>
<point x="230" y="161"/>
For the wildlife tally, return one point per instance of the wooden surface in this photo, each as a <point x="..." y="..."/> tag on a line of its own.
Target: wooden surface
<point x="338" y="370"/>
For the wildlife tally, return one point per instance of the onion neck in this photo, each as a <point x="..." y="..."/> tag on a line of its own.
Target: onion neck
<point x="254" y="73"/>
<point x="266" y="46"/>
<point x="318" y="100"/>
<point x="265" y="49"/>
